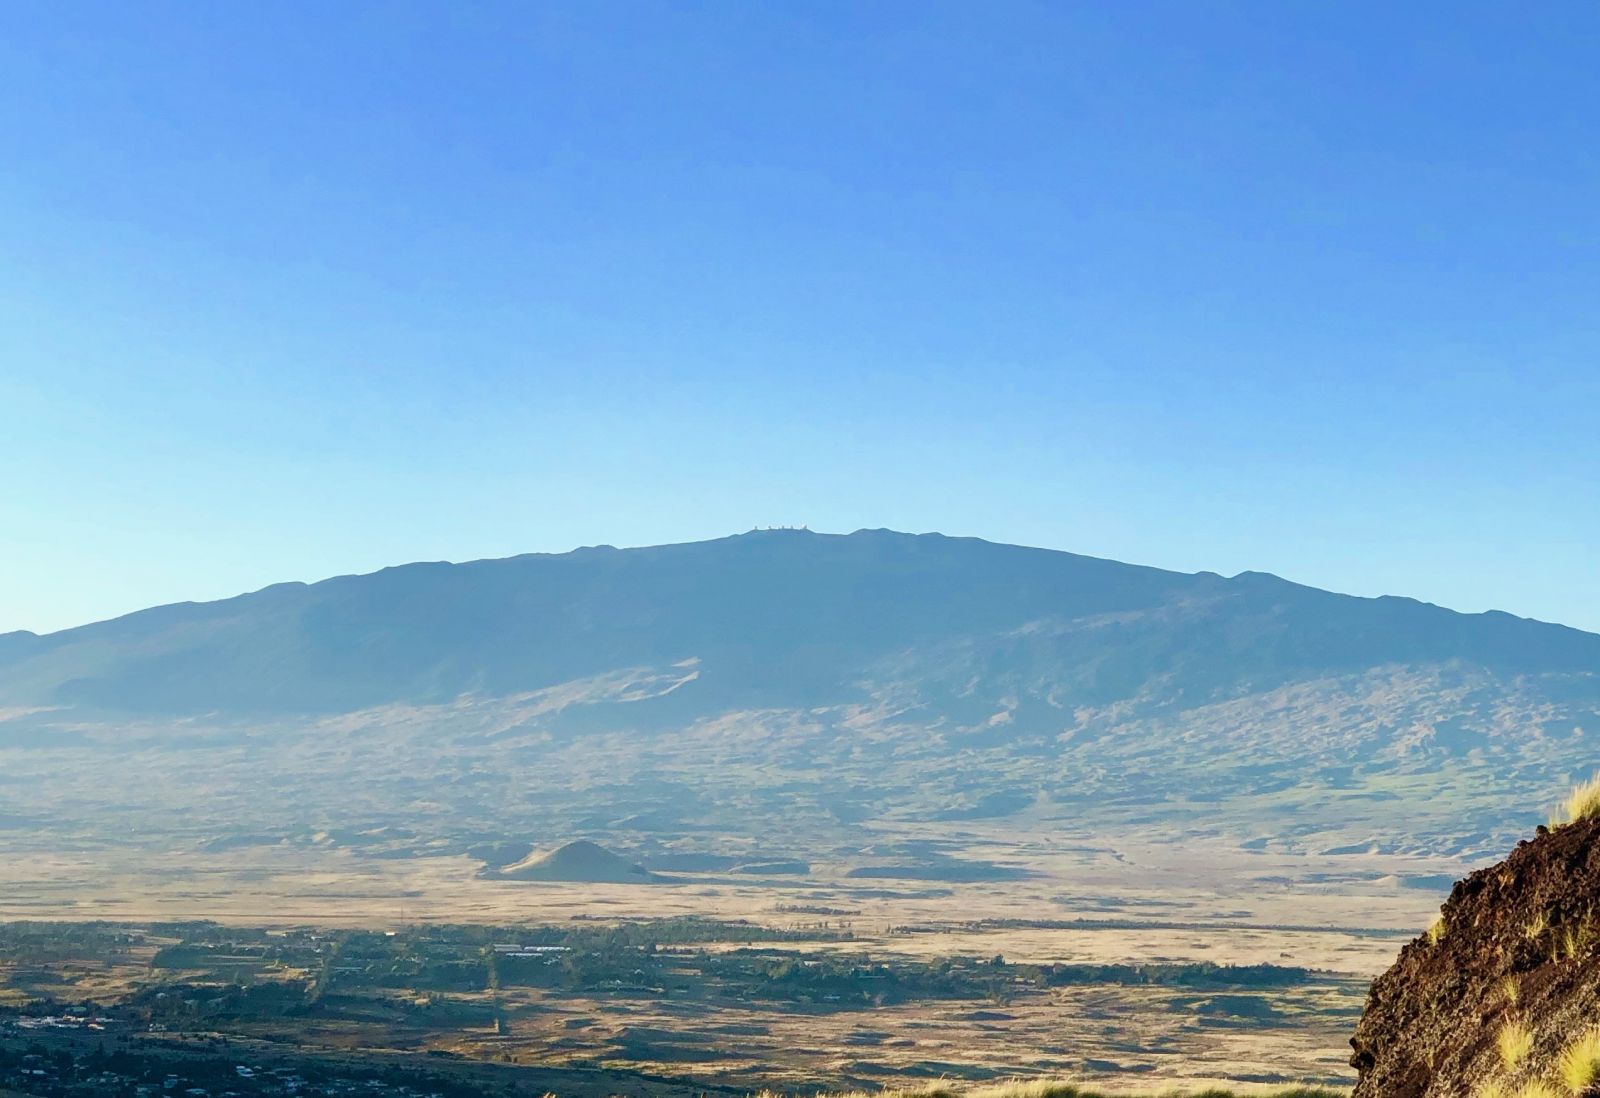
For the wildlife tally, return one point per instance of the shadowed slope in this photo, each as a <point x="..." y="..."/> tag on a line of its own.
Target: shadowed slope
<point x="774" y="618"/>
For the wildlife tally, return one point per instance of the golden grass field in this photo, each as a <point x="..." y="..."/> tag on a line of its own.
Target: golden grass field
<point x="1143" y="902"/>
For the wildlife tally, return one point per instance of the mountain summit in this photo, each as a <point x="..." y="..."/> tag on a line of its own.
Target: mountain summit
<point x="769" y="618"/>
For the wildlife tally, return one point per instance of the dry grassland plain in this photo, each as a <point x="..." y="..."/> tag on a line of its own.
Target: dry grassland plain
<point x="1089" y="899"/>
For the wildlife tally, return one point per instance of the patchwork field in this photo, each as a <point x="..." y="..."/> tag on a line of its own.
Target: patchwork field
<point x="1082" y="899"/>
<point x="111" y="838"/>
<point x="722" y="1005"/>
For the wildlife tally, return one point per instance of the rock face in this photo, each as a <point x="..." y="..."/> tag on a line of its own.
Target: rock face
<point x="1517" y="953"/>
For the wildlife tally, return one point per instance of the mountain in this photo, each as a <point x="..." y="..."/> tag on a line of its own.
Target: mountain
<point x="771" y="618"/>
<point x="802" y="689"/>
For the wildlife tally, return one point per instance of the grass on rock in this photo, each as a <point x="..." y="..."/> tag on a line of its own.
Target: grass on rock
<point x="1582" y="803"/>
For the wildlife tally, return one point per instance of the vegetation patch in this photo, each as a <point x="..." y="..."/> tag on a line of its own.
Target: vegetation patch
<point x="1514" y="1042"/>
<point x="1579" y="1063"/>
<point x="1581" y="804"/>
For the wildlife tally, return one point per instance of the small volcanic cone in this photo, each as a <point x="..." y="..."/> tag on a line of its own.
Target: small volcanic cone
<point x="579" y="862"/>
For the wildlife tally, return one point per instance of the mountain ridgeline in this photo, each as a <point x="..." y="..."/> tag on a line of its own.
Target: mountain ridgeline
<point x="769" y="619"/>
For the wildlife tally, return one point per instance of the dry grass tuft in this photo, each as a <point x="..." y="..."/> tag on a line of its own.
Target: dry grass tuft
<point x="1575" y="940"/>
<point x="1578" y="1066"/>
<point x="1435" y="931"/>
<point x="1582" y="803"/>
<point x="1540" y="924"/>
<point x="1514" y="1042"/>
<point x="1537" y="1089"/>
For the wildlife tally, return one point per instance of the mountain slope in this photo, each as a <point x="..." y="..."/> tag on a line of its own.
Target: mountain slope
<point x="774" y="619"/>
<point x="875" y="699"/>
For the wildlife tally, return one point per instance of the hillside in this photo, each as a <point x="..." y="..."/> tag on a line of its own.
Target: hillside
<point x="1501" y="995"/>
<point x="791" y="697"/>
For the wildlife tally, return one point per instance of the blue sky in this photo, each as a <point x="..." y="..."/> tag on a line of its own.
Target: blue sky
<point x="292" y="290"/>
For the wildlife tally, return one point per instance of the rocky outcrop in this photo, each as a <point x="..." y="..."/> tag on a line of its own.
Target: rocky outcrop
<point x="1507" y="981"/>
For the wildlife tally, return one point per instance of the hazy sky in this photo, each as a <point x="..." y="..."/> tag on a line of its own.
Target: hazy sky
<point x="290" y="290"/>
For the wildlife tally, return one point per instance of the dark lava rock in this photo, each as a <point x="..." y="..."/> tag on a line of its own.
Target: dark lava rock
<point x="1518" y="943"/>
